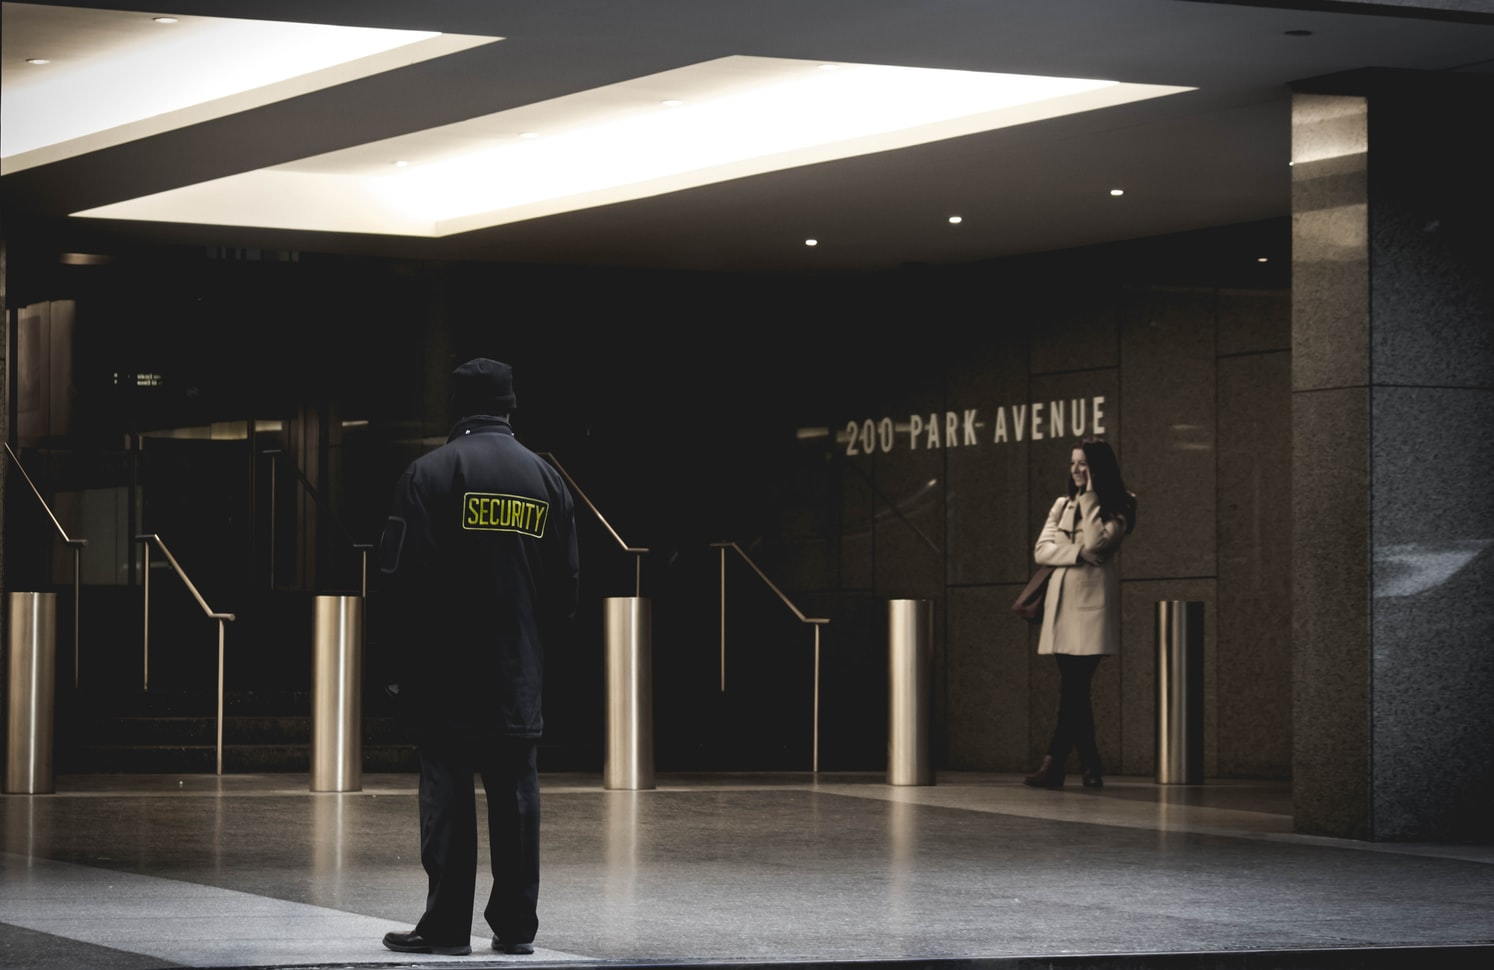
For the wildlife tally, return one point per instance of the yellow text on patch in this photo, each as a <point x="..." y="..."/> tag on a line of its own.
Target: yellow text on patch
<point x="487" y="512"/>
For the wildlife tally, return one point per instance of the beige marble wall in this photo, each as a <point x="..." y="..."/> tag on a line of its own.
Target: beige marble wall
<point x="1168" y="398"/>
<point x="987" y="528"/>
<point x="1253" y="321"/>
<point x="858" y="506"/>
<point x="908" y="521"/>
<point x="989" y="659"/>
<point x="1253" y="619"/>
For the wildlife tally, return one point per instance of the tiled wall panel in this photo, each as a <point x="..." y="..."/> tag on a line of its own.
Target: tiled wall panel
<point x="1168" y="397"/>
<point x="1255" y="584"/>
<point x="988" y="675"/>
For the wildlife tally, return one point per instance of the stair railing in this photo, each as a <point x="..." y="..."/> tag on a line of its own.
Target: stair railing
<point x="815" y="622"/>
<point x="75" y="544"/>
<point x="153" y="539"/>
<point x="637" y="551"/>
<point x="316" y="497"/>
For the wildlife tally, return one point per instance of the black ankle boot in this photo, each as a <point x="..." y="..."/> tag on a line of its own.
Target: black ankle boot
<point x="1093" y="779"/>
<point x="1048" y="775"/>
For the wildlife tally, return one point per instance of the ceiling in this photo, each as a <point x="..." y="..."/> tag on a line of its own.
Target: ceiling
<point x="1213" y="156"/>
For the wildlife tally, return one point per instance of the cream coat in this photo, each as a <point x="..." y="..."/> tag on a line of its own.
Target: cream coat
<point x="1081" y="614"/>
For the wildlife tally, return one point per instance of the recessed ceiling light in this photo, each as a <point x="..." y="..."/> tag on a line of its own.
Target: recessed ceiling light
<point x="1263" y="259"/>
<point x="956" y="220"/>
<point x="165" y="20"/>
<point x="811" y="242"/>
<point x="1117" y="192"/>
<point x="37" y="60"/>
<point x="740" y="116"/>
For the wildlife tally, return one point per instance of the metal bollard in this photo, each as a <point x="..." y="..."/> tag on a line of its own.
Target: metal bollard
<point x="910" y="644"/>
<point x="629" y="764"/>
<point x="1180" y="693"/>
<point x="33" y="680"/>
<point x="337" y="695"/>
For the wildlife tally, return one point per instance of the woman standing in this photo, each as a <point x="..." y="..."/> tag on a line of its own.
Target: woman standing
<point x="1081" y="613"/>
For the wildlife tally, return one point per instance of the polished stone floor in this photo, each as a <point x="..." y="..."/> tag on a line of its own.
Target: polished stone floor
<point x="128" y="872"/>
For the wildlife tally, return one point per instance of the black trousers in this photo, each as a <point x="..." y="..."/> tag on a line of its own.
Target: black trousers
<point x="448" y="837"/>
<point x="1076" y="716"/>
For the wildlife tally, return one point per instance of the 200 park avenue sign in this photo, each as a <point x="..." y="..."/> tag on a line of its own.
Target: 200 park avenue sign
<point x="967" y="428"/>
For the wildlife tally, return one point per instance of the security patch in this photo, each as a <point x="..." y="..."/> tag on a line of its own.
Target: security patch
<point x="487" y="512"/>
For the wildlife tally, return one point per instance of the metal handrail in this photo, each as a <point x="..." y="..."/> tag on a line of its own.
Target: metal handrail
<point x="220" y="617"/>
<point x="636" y="550"/>
<point x="316" y="496"/>
<point x="75" y="544"/>
<point x="816" y="622"/>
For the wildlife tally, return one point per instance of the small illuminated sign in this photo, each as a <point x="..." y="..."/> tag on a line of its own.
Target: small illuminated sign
<point x="143" y="379"/>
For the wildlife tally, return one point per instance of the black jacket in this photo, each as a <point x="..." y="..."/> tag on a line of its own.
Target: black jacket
<point x="478" y="562"/>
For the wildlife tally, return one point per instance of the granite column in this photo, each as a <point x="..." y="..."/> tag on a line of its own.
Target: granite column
<point x="1392" y="500"/>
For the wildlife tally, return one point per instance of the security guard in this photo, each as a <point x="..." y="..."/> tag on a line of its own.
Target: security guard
<point x="478" y="562"/>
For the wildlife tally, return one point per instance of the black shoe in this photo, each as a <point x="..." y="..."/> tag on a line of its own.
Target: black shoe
<point x="1049" y="775"/>
<point x="515" y="948"/>
<point x="415" y="943"/>
<point x="1093" y="779"/>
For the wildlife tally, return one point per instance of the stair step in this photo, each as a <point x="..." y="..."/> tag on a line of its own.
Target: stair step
<point x="177" y="731"/>
<point x="237" y="759"/>
<point x="180" y="730"/>
<point x="134" y="702"/>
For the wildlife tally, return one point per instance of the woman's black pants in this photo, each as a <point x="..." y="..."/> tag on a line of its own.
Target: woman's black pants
<point x="1076" y="716"/>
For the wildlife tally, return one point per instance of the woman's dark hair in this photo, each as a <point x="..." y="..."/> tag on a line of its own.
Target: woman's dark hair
<point x="1105" y="479"/>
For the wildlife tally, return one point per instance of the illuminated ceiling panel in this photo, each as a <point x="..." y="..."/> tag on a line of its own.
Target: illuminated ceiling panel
<point x="705" y="123"/>
<point x="112" y="76"/>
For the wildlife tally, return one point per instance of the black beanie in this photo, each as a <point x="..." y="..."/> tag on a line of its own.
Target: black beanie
<point x="483" y="386"/>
